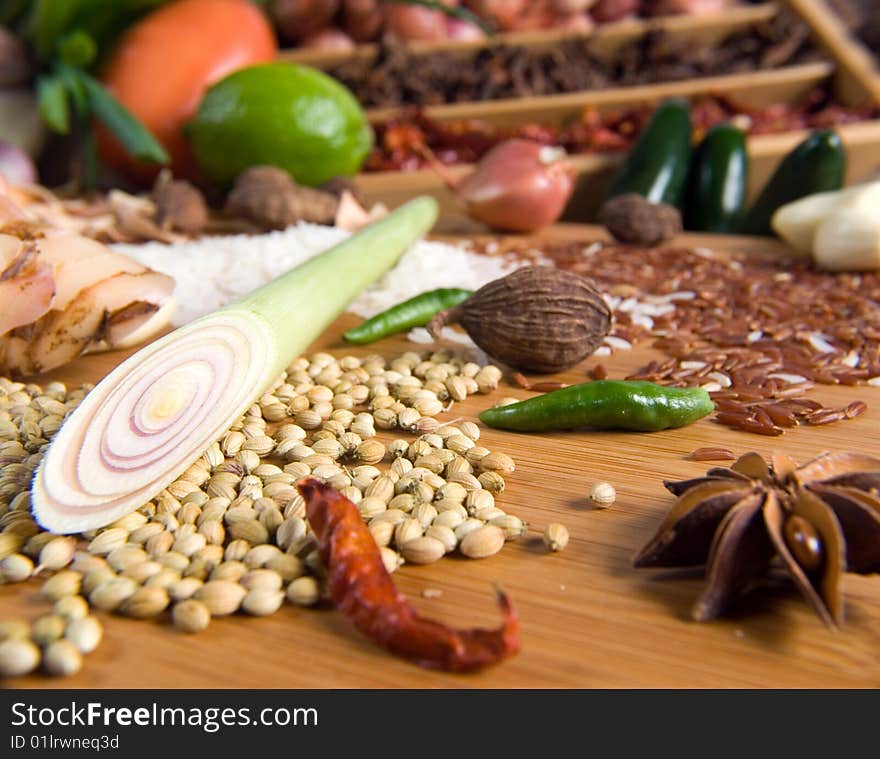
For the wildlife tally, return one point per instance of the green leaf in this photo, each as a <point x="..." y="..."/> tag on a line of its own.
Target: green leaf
<point x="53" y="103"/>
<point x="77" y="49"/>
<point x="135" y="138"/>
<point x="49" y="20"/>
<point x="76" y="91"/>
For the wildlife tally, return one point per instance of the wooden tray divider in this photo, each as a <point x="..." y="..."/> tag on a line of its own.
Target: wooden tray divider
<point x="608" y="37"/>
<point x="757" y="88"/>
<point x="857" y="74"/>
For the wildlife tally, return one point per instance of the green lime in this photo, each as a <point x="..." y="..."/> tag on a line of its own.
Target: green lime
<point x="279" y="114"/>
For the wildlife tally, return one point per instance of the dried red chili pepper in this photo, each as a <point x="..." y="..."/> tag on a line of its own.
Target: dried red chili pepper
<point x="404" y="142"/>
<point x="362" y="589"/>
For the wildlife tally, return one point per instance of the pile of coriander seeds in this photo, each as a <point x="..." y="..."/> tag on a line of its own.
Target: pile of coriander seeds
<point x="230" y="534"/>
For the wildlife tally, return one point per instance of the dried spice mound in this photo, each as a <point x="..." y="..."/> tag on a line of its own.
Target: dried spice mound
<point x="398" y="76"/>
<point x="817" y="520"/>
<point x="411" y="138"/>
<point x="632" y="219"/>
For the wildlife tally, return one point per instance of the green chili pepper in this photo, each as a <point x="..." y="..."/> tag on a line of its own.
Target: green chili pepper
<point x="415" y="312"/>
<point x="604" y="404"/>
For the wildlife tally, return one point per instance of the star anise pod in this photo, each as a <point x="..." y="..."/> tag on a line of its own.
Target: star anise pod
<point x="820" y="520"/>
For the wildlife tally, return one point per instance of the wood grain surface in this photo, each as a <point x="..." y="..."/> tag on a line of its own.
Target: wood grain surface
<point x="588" y="618"/>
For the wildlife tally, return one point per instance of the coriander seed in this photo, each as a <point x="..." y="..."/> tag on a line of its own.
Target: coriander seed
<point x="304" y="591"/>
<point x="262" y="601"/>
<point x="18" y="656"/>
<point x="190" y="616"/>
<point x="47" y="628"/>
<point x="482" y="542"/>
<point x="71" y="607"/>
<point x="85" y="633"/>
<point x="62" y="658"/>
<point x="16" y="568"/>
<point x="602" y="495"/>
<point x="556" y="536"/>
<point x="14" y="628"/>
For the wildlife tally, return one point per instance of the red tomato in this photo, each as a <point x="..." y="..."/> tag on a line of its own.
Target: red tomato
<point x="163" y="65"/>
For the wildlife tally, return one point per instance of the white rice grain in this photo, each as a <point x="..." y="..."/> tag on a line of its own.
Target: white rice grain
<point x="819" y="343"/>
<point x="235" y="265"/>
<point x="791" y="379"/>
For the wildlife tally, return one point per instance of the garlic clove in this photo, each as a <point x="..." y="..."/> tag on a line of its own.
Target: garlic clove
<point x="848" y="240"/>
<point x="797" y="222"/>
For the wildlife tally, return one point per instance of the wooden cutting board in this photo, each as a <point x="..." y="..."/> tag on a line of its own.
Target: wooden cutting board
<point x="588" y="618"/>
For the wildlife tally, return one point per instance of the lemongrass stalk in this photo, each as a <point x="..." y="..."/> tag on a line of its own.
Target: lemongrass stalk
<point x="145" y="423"/>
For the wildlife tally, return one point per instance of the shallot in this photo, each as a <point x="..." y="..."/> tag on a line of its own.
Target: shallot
<point x="687" y="7"/>
<point x="579" y="23"/>
<point x="331" y="40"/>
<point x="414" y="23"/>
<point x="564" y="7"/>
<point x="505" y="13"/>
<point x="299" y="19"/>
<point x="361" y="19"/>
<point x="518" y="186"/>
<point x="564" y="15"/>
<point x="463" y="31"/>
<point x="605" y="11"/>
<point x="141" y="426"/>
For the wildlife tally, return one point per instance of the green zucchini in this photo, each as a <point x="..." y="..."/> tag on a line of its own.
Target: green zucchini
<point x="818" y="164"/>
<point x="716" y="190"/>
<point x="656" y="167"/>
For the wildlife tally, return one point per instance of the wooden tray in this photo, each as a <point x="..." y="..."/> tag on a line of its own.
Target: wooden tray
<point x="845" y="72"/>
<point x="858" y="68"/>
<point x="589" y="619"/>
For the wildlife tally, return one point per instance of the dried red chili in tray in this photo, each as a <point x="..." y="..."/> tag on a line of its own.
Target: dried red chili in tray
<point x="406" y="142"/>
<point x="362" y="589"/>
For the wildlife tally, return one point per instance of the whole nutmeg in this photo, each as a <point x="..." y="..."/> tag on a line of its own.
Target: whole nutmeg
<point x="633" y="220"/>
<point x="537" y="319"/>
